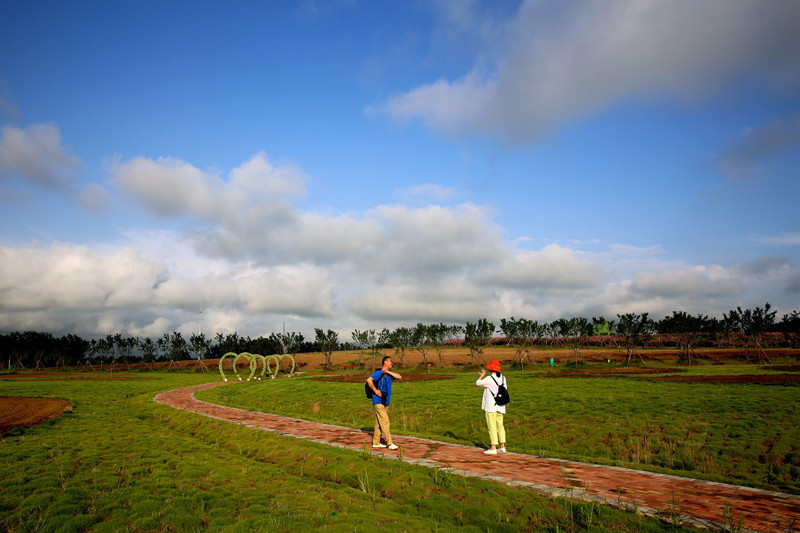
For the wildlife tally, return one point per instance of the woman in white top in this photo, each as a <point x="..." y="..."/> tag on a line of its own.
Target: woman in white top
<point x="494" y="412"/>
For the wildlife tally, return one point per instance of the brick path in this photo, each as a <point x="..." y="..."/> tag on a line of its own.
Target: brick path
<point x="701" y="503"/>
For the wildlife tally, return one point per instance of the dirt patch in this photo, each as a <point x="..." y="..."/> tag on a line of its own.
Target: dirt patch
<point x="361" y="378"/>
<point x="783" y="368"/>
<point x="45" y="376"/>
<point x="459" y="356"/>
<point x="15" y="412"/>
<point x="592" y="372"/>
<point x="774" y="379"/>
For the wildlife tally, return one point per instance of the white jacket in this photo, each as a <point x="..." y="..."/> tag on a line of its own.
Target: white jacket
<point x="490" y="391"/>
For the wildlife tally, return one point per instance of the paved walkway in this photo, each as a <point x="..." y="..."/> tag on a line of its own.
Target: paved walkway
<point x="701" y="503"/>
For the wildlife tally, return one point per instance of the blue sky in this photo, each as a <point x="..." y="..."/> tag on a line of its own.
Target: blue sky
<point x="352" y="164"/>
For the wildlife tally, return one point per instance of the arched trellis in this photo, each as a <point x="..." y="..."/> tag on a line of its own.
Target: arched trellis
<point x="254" y="360"/>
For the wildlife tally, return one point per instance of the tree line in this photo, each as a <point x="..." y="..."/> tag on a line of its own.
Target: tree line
<point x="753" y="330"/>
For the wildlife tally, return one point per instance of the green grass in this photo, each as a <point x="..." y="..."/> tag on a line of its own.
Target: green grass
<point x="121" y="462"/>
<point x="742" y="434"/>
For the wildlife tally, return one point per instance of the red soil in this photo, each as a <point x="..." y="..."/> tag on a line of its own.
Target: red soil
<point x="359" y="378"/>
<point x="93" y="376"/>
<point x="16" y="412"/>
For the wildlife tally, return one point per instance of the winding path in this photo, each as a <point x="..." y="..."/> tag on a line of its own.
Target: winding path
<point x="700" y="503"/>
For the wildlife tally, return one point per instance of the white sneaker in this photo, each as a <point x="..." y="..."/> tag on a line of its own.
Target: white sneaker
<point x="490" y="452"/>
<point x="393" y="447"/>
<point x="379" y="445"/>
<point x="503" y="449"/>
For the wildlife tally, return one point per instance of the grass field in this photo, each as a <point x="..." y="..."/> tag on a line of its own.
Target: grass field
<point x="743" y="433"/>
<point x="120" y="462"/>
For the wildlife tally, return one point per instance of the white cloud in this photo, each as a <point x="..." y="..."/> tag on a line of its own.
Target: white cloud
<point x="253" y="260"/>
<point x="457" y="300"/>
<point x="36" y="155"/>
<point x="553" y="267"/>
<point x="248" y="215"/>
<point x="171" y="187"/>
<point x="73" y="277"/>
<point x="558" y="62"/>
<point x="130" y="290"/>
<point x="432" y="241"/>
<point x="697" y="282"/>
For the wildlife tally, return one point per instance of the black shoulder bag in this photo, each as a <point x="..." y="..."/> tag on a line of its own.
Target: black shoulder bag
<point x="368" y="389"/>
<point x="502" y="397"/>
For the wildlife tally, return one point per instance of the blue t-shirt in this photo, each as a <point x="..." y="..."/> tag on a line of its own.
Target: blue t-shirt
<point x="383" y="384"/>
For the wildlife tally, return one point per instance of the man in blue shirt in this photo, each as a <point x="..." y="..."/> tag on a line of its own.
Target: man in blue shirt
<point x="380" y="382"/>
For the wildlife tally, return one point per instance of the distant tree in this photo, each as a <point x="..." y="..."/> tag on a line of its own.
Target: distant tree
<point x="291" y="342"/>
<point x="32" y="349"/>
<point x="149" y="351"/>
<point x="579" y="330"/>
<point x="90" y="353"/>
<point x="362" y="341"/>
<point x="510" y="330"/>
<point x="437" y="334"/>
<point x="177" y="348"/>
<point x="604" y="329"/>
<point x="520" y="333"/>
<point x="730" y="329"/>
<point x="559" y="330"/>
<point x="789" y="326"/>
<point x="200" y="346"/>
<point x="634" y="330"/>
<point x="163" y="347"/>
<point x="476" y="336"/>
<point x="125" y="347"/>
<point x="328" y="342"/>
<point x="530" y="332"/>
<point x="400" y="339"/>
<point x="420" y="340"/>
<point x="548" y="333"/>
<point x="375" y="341"/>
<point x="572" y="332"/>
<point x="73" y="348"/>
<point x="688" y="331"/>
<point x="600" y="326"/>
<point x="754" y="324"/>
<point x="108" y="351"/>
<point x="230" y="343"/>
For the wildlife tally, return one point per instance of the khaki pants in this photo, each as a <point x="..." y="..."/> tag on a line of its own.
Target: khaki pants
<point x="497" y="432"/>
<point x="381" y="425"/>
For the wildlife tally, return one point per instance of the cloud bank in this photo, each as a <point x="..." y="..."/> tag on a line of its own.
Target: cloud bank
<point x="558" y="62"/>
<point x="247" y="256"/>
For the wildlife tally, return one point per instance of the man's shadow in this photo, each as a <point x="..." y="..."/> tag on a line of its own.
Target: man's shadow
<point x="449" y="434"/>
<point x="460" y="438"/>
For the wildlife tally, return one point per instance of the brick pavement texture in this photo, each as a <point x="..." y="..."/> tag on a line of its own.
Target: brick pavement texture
<point x="701" y="503"/>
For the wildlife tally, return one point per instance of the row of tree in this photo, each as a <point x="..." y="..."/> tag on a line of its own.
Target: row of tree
<point x="36" y="350"/>
<point x="752" y="329"/>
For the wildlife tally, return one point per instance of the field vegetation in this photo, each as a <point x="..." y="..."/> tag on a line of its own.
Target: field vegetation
<point x="731" y="423"/>
<point x="117" y="461"/>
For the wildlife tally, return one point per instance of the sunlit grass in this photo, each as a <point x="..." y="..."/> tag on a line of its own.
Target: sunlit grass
<point x="121" y="462"/>
<point x="744" y="434"/>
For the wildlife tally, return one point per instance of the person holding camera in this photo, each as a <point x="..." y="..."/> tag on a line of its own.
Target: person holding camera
<point x="494" y="411"/>
<point x="380" y="382"/>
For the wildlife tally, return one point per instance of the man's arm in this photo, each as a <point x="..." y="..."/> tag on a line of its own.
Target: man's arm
<point x="395" y="375"/>
<point x="375" y="390"/>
